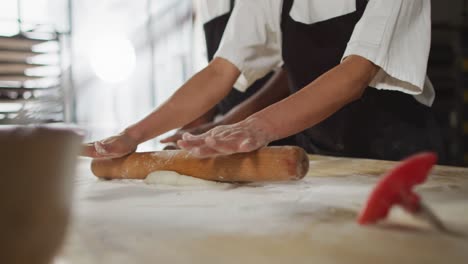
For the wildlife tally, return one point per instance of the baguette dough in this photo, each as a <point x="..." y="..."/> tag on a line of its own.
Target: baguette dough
<point x="173" y="178"/>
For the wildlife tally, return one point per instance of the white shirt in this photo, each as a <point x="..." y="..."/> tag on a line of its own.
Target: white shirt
<point x="393" y="34"/>
<point x="211" y="9"/>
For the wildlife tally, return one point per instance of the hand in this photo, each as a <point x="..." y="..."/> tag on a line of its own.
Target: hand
<point x="171" y="146"/>
<point x="246" y="136"/>
<point x="194" y="131"/>
<point x="113" y="147"/>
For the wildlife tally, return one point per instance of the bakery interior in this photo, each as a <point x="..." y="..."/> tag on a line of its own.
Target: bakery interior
<point x="76" y="71"/>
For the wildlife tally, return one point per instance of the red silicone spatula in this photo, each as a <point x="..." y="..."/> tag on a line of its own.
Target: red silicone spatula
<point x="396" y="188"/>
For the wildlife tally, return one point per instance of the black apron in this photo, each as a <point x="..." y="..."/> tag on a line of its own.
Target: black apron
<point x="386" y="125"/>
<point x="214" y="30"/>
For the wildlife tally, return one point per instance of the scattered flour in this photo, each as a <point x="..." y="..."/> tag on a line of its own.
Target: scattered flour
<point x="173" y="178"/>
<point x="100" y="148"/>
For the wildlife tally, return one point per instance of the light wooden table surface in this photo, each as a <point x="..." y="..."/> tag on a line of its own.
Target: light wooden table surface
<point x="310" y="221"/>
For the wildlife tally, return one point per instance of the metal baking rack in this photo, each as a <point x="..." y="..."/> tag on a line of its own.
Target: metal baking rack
<point x="30" y="78"/>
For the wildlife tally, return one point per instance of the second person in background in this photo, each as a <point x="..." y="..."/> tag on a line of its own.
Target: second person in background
<point x="237" y="105"/>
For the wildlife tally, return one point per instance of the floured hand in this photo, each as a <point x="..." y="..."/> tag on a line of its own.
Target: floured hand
<point x="245" y="136"/>
<point x="194" y="131"/>
<point x="113" y="147"/>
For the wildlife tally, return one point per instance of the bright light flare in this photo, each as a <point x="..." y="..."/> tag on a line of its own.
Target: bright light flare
<point x="112" y="58"/>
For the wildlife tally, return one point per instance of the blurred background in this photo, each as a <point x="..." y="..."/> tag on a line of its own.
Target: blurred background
<point x="105" y="64"/>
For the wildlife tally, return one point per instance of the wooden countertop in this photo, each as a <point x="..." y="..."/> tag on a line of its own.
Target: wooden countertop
<point x="310" y="221"/>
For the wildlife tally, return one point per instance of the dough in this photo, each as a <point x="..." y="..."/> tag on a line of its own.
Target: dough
<point x="173" y="178"/>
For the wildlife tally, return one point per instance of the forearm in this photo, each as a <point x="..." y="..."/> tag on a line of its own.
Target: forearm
<point x="197" y="96"/>
<point x="204" y="119"/>
<point x="273" y="91"/>
<point x="320" y="99"/>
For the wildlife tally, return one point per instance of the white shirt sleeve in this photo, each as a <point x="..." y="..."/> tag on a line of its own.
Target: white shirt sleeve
<point x="211" y="9"/>
<point x="396" y="36"/>
<point x="252" y="40"/>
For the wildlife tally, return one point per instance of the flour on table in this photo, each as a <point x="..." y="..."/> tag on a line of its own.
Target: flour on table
<point x="173" y="178"/>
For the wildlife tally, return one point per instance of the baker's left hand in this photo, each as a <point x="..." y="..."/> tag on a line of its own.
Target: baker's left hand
<point x="245" y="136"/>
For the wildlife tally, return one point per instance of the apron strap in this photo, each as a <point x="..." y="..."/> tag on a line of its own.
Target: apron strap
<point x="361" y="5"/>
<point x="231" y="5"/>
<point x="286" y="9"/>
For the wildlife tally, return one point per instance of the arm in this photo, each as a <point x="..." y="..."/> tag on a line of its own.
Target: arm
<point x="273" y="91"/>
<point x="201" y="93"/>
<point x="314" y="103"/>
<point x="208" y="117"/>
<point x="329" y="93"/>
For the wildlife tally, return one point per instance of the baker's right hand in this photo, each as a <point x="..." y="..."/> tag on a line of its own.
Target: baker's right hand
<point x="113" y="147"/>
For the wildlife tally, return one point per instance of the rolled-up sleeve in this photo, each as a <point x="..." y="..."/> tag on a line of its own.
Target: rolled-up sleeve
<point x="396" y="36"/>
<point x="252" y="40"/>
